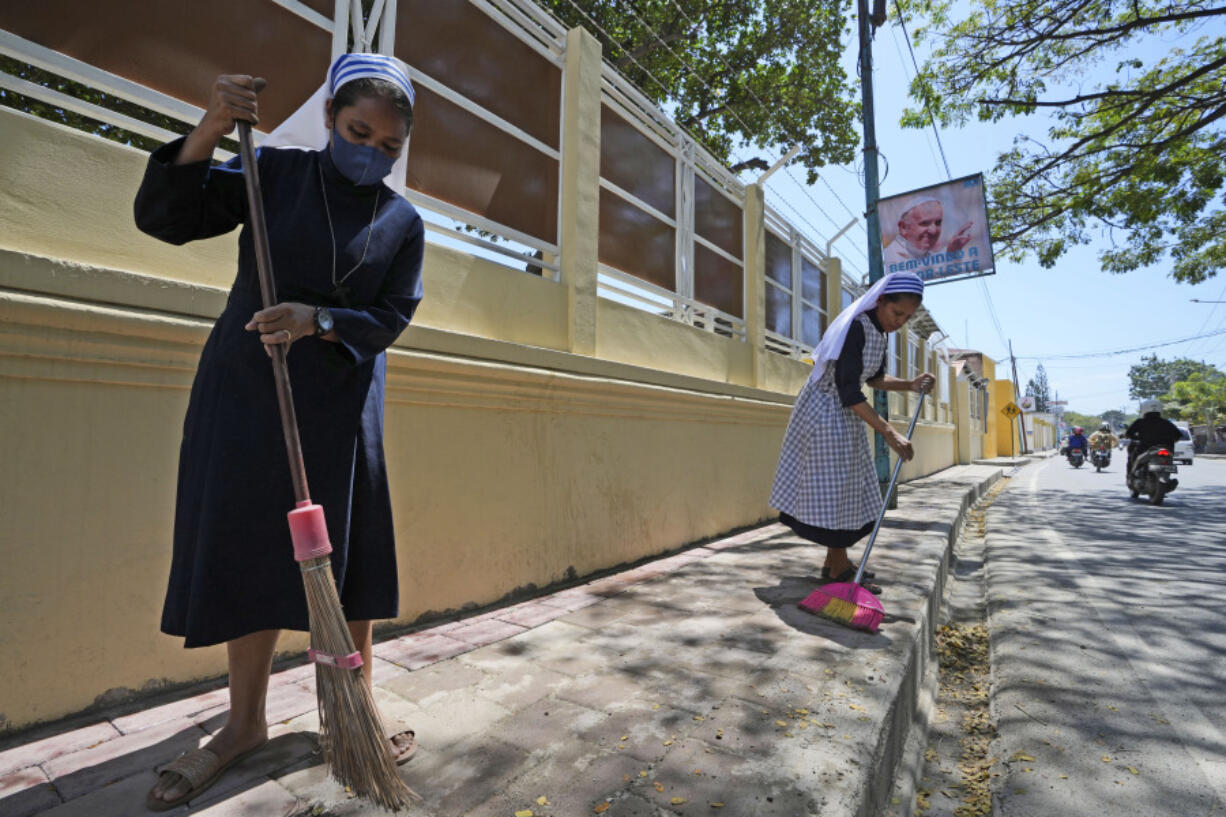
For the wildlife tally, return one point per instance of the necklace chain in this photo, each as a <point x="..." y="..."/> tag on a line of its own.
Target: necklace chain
<point x="332" y="233"/>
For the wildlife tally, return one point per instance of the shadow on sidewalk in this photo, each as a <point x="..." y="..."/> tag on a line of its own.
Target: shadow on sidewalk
<point x="119" y="781"/>
<point x="783" y="599"/>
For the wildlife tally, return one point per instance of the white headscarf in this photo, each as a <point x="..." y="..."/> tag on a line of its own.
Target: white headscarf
<point x="831" y="344"/>
<point x="305" y="128"/>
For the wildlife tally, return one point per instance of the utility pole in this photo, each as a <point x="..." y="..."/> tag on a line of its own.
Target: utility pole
<point x="1017" y="396"/>
<point x="867" y="22"/>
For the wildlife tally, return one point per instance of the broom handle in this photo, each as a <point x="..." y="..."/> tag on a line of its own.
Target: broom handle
<point x="893" y="480"/>
<point x="268" y="292"/>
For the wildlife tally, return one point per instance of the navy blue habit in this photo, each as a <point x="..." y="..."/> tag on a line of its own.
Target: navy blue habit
<point x="233" y="570"/>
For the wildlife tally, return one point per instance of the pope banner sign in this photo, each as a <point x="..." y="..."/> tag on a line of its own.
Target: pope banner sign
<point x="940" y="232"/>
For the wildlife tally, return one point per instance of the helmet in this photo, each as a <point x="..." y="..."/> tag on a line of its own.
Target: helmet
<point x="1150" y="405"/>
<point x="1078" y="430"/>
<point x="1105" y="427"/>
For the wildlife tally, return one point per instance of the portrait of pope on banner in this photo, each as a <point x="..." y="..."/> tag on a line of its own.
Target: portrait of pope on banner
<point x="939" y="232"/>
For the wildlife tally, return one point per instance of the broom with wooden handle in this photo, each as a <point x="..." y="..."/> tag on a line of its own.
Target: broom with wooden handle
<point x="350" y="732"/>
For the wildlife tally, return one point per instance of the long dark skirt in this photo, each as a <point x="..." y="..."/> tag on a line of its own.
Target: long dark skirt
<point x="827" y="537"/>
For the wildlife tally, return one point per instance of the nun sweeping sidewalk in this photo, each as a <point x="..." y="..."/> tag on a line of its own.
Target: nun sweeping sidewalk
<point x="347" y="251"/>
<point x="826" y="487"/>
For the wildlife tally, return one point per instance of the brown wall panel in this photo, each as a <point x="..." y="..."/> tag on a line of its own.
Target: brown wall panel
<point x="462" y="159"/>
<point x="459" y="45"/>
<point x="718" y="282"/>
<point x="179" y="47"/>
<point x="635" y="242"/>
<point x="635" y="163"/>
<point x="778" y="311"/>
<point x="717" y="219"/>
<point x="778" y="260"/>
<point x="812" y="282"/>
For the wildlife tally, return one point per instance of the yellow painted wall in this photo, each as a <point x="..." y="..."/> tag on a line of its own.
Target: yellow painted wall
<point x="504" y="475"/>
<point x="513" y="462"/>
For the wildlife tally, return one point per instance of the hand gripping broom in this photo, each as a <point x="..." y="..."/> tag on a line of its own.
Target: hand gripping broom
<point x="849" y="602"/>
<point x="350" y="732"/>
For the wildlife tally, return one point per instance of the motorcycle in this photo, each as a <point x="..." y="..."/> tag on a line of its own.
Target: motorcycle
<point x="1076" y="457"/>
<point x="1100" y="458"/>
<point x="1152" y="475"/>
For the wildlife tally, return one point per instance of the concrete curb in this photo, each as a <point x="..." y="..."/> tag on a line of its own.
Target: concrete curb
<point x="904" y="731"/>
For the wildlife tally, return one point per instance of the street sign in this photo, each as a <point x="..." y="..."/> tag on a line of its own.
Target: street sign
<point x="1028" y="402"/>
<point x="1010" y="410"/>
<point x="1057" y="402"/>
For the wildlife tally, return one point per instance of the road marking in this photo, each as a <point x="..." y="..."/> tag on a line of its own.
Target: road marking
<point x="1189" y="725"/>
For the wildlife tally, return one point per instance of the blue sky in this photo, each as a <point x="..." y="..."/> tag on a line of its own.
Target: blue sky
<point x="1074" y="308"/>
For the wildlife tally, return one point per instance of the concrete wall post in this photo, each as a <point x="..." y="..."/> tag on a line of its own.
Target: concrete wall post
<point x="580" y="203"/>
<point x="755" y="280"/>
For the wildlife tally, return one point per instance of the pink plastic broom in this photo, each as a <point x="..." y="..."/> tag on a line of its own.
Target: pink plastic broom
<point x="849" y="602"/>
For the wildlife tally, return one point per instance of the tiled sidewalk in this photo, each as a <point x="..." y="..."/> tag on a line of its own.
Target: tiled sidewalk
<point x="686" y="685"/>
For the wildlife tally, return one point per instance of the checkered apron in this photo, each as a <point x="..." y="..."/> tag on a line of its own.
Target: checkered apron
<point x="826" y="476"/>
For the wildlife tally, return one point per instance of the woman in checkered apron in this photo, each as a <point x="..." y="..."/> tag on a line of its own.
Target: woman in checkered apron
<point x="826" y="487"/>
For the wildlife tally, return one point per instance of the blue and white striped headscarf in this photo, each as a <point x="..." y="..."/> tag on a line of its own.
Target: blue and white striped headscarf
<point x="305" y="128"/>
<point x="349" y="67"/>
<point x="836" y="334"/>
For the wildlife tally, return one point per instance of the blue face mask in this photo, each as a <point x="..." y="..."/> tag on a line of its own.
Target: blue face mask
<point x="360" y="164"/>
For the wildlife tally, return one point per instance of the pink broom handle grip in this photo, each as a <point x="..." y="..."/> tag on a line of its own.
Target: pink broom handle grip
<point x="886" y="500"/>
<point x="263" y="262"/>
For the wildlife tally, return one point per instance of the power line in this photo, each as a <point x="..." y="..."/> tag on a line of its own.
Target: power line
<point x="983" y="287"/>
<point x="1115" y="352"/>
<point x="902" y="23"/>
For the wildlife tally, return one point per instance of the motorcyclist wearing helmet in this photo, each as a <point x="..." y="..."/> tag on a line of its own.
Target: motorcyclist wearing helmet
<point x="1078" y="440"/>
<point x="1149" y="430"/>
<point x="1103" y="438"/>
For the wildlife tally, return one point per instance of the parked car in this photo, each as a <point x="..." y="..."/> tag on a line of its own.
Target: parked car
<point x="1183" y="448"/>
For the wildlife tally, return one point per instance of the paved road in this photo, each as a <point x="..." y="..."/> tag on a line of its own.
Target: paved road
<point x="1108" y="620"/>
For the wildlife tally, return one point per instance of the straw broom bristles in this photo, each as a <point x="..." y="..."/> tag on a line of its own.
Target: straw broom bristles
<point x="350" y="732"/>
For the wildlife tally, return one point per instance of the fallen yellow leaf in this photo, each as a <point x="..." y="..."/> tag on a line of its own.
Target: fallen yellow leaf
<point x="659" y="786"/>
<point x="788" y="735"/>
<point x="855" y="706"/>
<point x="699" y="718"/>
<point x="1022" y="756"/>
<point x="802" y="711"/>
<point x="642" y="774"/>
<point x="668" y="743"/>
<point x="524" y="813"/>
<point x="676" y="801"/>
<point x="602" y="807"/>
<point x="625" y="737"/>
<point x="717" y="804"/>
<point x="781" y="723"/>
<point x="1133" y="770"/>
<point x="655" y="707"/>
<point x="542" y="800"/>
<point x="698" y="771"/>
<point x="1106" y="759"/>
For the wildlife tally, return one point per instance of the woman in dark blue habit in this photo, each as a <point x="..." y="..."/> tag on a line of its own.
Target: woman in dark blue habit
<point x="347" y="255"/>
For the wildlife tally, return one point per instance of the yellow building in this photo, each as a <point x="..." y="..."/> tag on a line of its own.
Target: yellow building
<point x="539" y="427"/>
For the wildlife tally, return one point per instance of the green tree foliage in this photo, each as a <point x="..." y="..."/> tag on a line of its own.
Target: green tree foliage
<point x="1115" y="417"/>
<point x="1199" y="398"/>
<point x="1134" y="96"/>
<point x="1038" y="388"/>
<point x="1153" y="377"/>
<point x="774" y="65"/>
<point x="1088" y="422"/>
